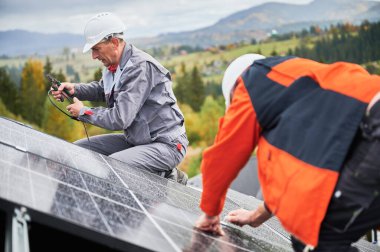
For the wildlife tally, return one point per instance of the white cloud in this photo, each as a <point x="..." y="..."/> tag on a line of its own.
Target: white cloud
<point x="142" y="17"/>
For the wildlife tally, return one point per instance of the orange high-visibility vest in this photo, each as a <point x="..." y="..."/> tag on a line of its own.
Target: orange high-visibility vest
<point x="309" y="114"/>
<point x="303" y="115"/>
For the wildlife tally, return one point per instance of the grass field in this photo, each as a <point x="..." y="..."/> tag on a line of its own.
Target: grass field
<point x="203" y="58"/>
<point x="86" y="67"/>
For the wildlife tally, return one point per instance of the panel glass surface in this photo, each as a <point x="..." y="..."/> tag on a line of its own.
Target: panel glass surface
<point x="101" y="194"/>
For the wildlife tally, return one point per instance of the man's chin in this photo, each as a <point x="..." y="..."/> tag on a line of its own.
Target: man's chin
<point x="104" y="63"/>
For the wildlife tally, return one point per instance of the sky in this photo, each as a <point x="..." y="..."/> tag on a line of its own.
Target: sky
<point x="143" y="18"/>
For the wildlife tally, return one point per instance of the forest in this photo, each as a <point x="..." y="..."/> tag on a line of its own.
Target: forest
<point x="197" y="75"/>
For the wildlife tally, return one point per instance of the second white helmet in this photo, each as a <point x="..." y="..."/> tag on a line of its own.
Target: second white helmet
<point x="100" y="26"/>
<point x="233" y="71"/>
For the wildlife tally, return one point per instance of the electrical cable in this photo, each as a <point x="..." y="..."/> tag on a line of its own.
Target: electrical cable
<point x="72" y="117"/>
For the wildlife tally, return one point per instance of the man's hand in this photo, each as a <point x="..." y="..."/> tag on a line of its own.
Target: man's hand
<point x="65" y="85"/>
<point x="75" y="108"/>
<point x="209" y="224"/>
<point x="243" y="217"/>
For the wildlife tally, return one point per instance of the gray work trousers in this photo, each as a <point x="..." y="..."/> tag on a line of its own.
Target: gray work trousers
<point x="159" y="158"/>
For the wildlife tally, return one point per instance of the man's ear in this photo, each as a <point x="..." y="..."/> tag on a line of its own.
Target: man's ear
<point x="115" y="41"/>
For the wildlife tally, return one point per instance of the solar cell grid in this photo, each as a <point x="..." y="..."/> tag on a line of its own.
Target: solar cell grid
<point x="83" y="188"/>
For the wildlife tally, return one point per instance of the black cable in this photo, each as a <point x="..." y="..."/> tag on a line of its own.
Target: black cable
<point x="88" y="139"/>
<point x="72" y="117"/>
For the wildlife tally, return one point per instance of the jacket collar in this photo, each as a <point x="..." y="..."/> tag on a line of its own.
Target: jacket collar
<point x="127" y="53"/>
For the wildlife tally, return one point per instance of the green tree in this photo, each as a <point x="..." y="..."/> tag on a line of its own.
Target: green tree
<point x="6" y="113"/>
<point x="8" y="91"/>
<point x="4" y="110"/>
<point x="341" y="43"/>
<point x="15" y="74"/>
<point x="48" y="69"/>
<point x="182" y="83"/>
<point x="274" y="52"/>
<point x="213" y="88"/>
<point x="372" y="68"/>
<point x="57" y="124"/>
<point x="97" y="77"/>
<point x="193" y="124"/>
<point x="60" y="76"/>
<point x="189" y="88"/>
<point x="194" y="165"/>
<point x="196" y="90"/>
<point x="98" y="74"/>
<point x="32" y="92"/>
<point x="210" y="113"/>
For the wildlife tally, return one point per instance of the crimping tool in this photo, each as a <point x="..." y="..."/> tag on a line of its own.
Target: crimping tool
<point x="55" y="84"/>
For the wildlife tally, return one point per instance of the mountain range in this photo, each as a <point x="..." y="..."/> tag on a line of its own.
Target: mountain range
<point x="256" y="22"/>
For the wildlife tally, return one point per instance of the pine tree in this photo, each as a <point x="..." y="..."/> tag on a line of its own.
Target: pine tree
<point x="196" y="95"/>
<point x="60" y="76"/>
<point x="48" y="69"/>
<point x="97" y="77"/>
<point x="340" y="45"/>
<point x="181" y="84"/>
<point x="98" y="74"/>
<point x="8" y="91"/>
<point x="274" y="52"/>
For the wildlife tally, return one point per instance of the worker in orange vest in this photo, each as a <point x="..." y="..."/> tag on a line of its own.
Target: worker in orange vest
<point x="317" y="129"/>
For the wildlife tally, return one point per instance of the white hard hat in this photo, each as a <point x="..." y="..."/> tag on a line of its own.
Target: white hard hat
<point x="100" y="26"/>
<point x="234" y="70"/>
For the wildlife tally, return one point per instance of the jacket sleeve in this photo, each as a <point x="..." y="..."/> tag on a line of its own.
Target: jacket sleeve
<point x="93" y="91"/>
<point x="135" y="89"/>
<point x="236" y="139"/>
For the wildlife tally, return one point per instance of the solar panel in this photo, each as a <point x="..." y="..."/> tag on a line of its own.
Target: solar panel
<point x="101" y="199"/>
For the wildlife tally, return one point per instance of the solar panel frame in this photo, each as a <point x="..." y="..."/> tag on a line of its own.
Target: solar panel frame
<point x="100" y="199"/>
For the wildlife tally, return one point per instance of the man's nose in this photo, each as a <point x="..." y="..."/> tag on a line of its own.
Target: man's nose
<point x="94" y="55"/>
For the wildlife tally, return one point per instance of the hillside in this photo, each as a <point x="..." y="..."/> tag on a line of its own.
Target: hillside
<point x="201" y="126"/>
<point x="253" y="23"/>
<point x="258" y="21"/>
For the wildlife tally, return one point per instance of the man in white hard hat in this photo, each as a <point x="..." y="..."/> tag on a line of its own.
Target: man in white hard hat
<point x="317" y="129"/>
<point x="140" y="101"/>
<point x="232" y="73"/>
<point x="211" y="223"/>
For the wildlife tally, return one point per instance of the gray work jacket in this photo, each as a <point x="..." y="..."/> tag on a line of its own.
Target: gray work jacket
<point x="139" y="97"/>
